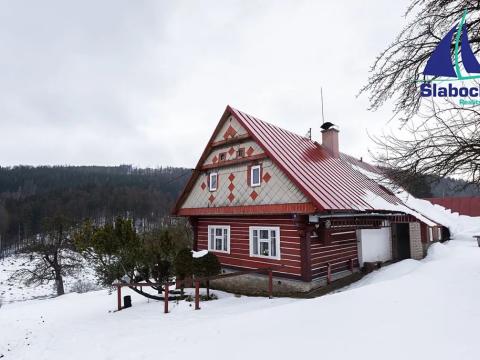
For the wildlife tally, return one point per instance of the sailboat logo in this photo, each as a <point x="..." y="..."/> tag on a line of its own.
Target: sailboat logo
<point x="440" y="62"/>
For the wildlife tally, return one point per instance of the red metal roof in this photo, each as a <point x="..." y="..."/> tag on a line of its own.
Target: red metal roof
<point x="463" y="205"/>
<point x="331" y="183"/>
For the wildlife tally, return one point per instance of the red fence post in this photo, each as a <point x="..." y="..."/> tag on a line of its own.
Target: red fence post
<point x="119" y="297"/>
<point x="329" y="273"/>
<point x="270" y="284"/>
<point x="197" y="295"/>
<point x="166" y="298"/>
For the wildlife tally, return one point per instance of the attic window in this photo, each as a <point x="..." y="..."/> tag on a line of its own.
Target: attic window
<point x="222" y="156"/>
<point x="255" y="178"/>
<point x="213" y="181"/>
<point x="241" y="153"/>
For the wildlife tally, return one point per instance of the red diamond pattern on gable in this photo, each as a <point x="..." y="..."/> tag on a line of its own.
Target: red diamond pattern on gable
<point x="231" y="177"/>
<point x="203" y="186"/>
<point x="231" y="151"/>
<point x="231" y="187"/>
<point x="254" y="195"/>
<point x="215" y="159"/>
<point x="250" y="151"/>
<point x="230" y="132"/>
<point x="231" y="197"/>
<point x="266" y="177"/>
<point x="211" y="198"/>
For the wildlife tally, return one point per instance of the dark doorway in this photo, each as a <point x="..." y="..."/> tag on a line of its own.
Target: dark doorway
<point x="401" y="233"/>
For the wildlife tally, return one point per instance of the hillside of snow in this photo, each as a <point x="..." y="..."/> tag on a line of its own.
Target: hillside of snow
<point x="11" y="290"/>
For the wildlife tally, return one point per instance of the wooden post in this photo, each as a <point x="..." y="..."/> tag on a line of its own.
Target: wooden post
<point x="329" y="273"/>
<point x="166" y="298"/>
<point x="350" y="265"/>
<point x="197" y="295"/>
<point x="270" y="284"/>
<point x="119" y="297"/>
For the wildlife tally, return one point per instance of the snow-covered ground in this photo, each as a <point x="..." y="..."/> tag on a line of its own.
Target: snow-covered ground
<point x="11" y="291"/>
<point x="428" y="309"/>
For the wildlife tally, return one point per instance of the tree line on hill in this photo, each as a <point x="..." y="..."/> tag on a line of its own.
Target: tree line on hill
<point x="30" y="196"/>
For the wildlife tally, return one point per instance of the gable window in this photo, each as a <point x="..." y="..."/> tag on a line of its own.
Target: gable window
<point x="219" y="238"/>
<point x="241" y="153"/>
<point x="222" y="156"/>
<point x="213" y="181"/>
<point x="255" y="175"/>
<point x="265" y="241"/>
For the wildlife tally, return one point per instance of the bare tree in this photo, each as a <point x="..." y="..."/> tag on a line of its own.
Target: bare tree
<point x="52" y="257"/>
<point x="438" y="138"/>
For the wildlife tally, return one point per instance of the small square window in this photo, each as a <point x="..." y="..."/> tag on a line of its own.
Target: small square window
<point x="222" y="156"/>
<point x="255" y="177"/>
<point x="213" y="181"/>
<point x="241" y="152"/>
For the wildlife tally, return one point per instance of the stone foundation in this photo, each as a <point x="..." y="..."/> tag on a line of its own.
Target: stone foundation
<point x="257" y="284"/>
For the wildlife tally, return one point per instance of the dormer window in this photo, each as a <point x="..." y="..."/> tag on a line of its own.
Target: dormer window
<point x="255" y="177"/>
<point x="213" y="181"/>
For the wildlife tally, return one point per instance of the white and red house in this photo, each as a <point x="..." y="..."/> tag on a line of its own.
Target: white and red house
<point x="261" y="196"/>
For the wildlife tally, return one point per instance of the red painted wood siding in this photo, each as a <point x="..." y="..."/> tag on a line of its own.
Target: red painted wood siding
<point x="240" y="243"/>
<point x="342" y="248"/>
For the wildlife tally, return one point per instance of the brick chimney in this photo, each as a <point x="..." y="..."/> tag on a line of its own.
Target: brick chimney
<point x="330" y="139"/>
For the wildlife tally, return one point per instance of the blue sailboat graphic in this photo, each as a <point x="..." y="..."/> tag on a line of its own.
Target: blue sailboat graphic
<point x="440" y="62"/>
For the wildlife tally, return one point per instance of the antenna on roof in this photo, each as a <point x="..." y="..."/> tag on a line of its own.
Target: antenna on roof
<point x="309" y="134"/>
<point x="321" y="96"/>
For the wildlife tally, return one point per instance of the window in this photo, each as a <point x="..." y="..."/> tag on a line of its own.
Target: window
<point x="213" y="181"/>
<point x="241" y="153"/>
<point x="219" y="238"/>
<point x="265" y="242"/>
<point x="222" y="156"/>
<point x="255" y="179"/>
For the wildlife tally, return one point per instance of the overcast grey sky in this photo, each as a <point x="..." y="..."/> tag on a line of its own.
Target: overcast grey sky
<point x="145" y="82"/>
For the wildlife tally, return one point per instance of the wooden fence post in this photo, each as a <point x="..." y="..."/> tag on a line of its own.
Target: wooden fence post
<point x="329" y="273"/>
<point x="166" y="298"/>
<point x="197" y="295"/>
<point x="270" y="284"/>
<point x="119" y="297"/>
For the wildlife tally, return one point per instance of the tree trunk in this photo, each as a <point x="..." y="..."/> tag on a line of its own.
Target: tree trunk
<point x="59" y="284"/>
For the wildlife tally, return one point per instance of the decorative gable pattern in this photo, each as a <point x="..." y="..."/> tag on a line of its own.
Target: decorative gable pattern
<point x="230" y="129"/>
<point x="233" y="188"/>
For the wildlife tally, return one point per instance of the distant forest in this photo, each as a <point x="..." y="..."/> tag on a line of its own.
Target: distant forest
<point x="29" y="195"/>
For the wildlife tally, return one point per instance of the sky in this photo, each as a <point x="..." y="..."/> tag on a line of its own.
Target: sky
<point x="145" y="82"/>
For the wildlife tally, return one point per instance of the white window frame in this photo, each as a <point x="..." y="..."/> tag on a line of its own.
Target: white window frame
<point x="214" y="228"/>
<point x="255" y="167"/>
<point x="210" y="187"/>
<point x="276" y="229"/>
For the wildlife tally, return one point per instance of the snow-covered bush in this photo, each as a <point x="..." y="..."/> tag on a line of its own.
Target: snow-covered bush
<point x="81" y="286"/>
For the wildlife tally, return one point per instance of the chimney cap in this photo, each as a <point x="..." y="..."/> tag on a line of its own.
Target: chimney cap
<point x="328" y="125"/>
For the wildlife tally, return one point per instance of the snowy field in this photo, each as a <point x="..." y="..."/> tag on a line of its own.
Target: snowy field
<point x="428" y="309"/>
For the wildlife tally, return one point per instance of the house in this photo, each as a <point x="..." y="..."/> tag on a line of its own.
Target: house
<point x="261" y="196"/>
